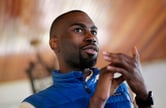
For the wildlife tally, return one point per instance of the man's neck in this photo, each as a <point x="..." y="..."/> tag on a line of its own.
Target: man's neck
<point x="87" y="73"/>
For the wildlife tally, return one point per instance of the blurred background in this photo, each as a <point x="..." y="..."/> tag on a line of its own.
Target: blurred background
<point x="26" y="60"/>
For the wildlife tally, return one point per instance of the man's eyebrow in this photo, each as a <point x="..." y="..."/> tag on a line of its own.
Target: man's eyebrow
<point x="94" y="27"/>
<point x="83" y="25"/>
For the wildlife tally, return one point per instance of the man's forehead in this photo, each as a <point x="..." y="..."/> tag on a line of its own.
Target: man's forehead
<point x="65" y="20"/>
<point x="78" y="18"/>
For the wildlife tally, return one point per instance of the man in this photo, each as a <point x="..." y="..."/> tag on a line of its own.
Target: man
<point x="73" y="38"/>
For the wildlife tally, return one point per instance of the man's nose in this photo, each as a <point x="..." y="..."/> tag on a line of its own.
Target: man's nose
<point x="90" y="38"/>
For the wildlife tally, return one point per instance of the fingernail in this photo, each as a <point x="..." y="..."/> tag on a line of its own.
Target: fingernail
<point x="105" y="53"/>
<point x="109" y="67"/>
<point x="107" y="58"/>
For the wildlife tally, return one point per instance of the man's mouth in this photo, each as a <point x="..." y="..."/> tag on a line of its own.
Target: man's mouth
<point x="90" y="49"/>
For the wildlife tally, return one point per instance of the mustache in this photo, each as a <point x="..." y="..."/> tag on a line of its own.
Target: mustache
<point x="90" y="46"/>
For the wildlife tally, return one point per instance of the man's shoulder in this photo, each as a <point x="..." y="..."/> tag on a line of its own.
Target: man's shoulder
<point x="39" y="98"/>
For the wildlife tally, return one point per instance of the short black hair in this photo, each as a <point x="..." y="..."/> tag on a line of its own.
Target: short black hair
<point x="57" y="19"/>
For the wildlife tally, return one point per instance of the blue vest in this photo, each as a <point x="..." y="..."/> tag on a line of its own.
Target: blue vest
<point x="70" y="90"/>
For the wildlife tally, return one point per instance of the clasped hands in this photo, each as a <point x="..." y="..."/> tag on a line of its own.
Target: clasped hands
<point x="130" y="69"/>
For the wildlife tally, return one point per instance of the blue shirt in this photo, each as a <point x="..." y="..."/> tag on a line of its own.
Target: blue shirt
<point x="70" y="90"/>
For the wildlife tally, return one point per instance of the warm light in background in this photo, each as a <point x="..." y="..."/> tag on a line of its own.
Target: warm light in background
<point x="122" y="25"/>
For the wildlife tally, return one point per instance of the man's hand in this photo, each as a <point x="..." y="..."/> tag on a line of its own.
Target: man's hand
<point x="105" y="87"/>
<point x="130" y="68"/>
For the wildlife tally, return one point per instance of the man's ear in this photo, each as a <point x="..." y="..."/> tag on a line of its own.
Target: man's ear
<point x="53" y="43"/>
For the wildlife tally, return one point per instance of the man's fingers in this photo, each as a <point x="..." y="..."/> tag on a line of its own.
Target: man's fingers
<point x="118" y="59"/>
<point x="106" y="56"/>
<point x="136" y="55"/>
<point x="114" y="69"/>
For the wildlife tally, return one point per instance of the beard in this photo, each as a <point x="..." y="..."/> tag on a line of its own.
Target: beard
<point x="80" y="60"/>
<point x="87" y="62"/>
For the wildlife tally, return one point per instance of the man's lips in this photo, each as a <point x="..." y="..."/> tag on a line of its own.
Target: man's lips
<point x="90" y="49"/>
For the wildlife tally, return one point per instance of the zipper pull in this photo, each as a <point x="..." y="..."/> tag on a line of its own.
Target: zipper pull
<point x="87" y="89"/>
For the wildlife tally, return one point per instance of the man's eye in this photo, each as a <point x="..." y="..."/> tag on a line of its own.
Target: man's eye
<point x="94" y="32"/>
<point x="78" y="30"/>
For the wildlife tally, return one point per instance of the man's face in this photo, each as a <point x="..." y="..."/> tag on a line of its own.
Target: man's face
<point x="78" y="44"/>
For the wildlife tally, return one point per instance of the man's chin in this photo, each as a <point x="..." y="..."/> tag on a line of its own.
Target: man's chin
<point x="88" y="60"/>
<point x="88" y="63"/>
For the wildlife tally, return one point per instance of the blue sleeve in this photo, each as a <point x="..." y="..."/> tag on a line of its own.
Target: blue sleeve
<point x="120" y="99"/>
